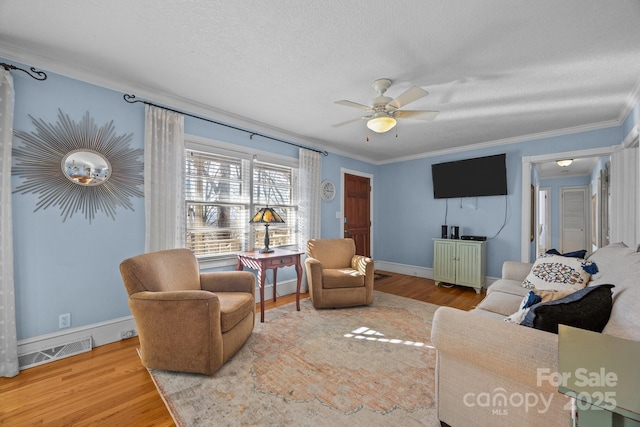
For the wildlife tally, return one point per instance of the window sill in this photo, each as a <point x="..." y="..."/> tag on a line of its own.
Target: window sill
<point x="215" y="263"/>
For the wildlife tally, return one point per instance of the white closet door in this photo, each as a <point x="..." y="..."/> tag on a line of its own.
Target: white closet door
<point x="573" y="213"/>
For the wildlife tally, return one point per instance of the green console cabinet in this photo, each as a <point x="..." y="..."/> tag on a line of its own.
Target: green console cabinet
<point x="460" y="262"/>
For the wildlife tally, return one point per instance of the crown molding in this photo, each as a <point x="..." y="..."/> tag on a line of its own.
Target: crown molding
<point x="508" y="141"/>
<point x="632" y="100"/>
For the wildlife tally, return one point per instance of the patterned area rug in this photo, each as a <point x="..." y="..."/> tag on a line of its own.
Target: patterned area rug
<point x="363" y="366"/>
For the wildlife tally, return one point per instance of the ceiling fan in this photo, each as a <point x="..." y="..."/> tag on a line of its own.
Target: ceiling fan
<point x="384" y="111"/>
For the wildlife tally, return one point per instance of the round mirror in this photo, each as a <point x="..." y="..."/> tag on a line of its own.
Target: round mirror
<point x="86" y="167"/>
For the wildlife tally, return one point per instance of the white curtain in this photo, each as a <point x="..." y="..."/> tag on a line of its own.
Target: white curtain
<point x="8" y="339"/>
<point x="623" y="211"/>
<point x="164" y="179"/>
<point x="310" y="172"/>
<point x="310" y="164"/>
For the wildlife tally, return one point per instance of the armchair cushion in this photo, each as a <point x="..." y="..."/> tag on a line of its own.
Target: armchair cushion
<point x="234" y="306"/>
<point x="341" y="278"/>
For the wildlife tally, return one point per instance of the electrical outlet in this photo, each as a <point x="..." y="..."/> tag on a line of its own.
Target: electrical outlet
<point x="127" y="334"/>
<point x="64" y="321"/>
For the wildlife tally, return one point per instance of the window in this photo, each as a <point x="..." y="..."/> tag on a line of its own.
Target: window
<point x="273" y="186"/>
<point x="223" y="191"/>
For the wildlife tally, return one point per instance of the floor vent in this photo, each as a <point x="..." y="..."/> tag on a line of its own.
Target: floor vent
<point x="39" y="357"/>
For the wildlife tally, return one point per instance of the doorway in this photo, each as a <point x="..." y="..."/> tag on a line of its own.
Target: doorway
<point x="528" y="163"/>
<point x="544" y="220"/>
<point x="357" y="211"/>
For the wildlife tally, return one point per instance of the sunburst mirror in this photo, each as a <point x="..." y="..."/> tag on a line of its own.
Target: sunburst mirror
<point x="78" y="167"/>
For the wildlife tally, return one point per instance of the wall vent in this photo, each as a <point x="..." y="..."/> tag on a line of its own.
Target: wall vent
<point x="39" y="357"/>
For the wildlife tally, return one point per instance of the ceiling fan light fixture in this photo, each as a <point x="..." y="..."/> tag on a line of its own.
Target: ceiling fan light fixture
<point x="564" y="163"/>
<point x="381" y="122"/>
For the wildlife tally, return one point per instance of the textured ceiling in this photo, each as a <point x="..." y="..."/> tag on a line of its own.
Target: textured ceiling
<point x="497" y="71"/>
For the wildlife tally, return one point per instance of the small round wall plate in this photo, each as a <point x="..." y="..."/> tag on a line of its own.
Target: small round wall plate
<point x="328" y="190"/>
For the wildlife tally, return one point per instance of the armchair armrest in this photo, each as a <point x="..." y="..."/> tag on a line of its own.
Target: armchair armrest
<point x="228" y="281"/>
<point x="363" y="264"/>
<point x="172" y="324"/>
<point x="506" y="349"/>
<point x="515" y="270"/>
<point x="313" y="267"/>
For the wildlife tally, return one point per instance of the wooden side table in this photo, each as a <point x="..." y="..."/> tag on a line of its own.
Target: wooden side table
<point x="273" y="260"/>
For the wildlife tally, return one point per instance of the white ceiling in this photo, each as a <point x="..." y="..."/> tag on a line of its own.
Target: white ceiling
<point x="579" y="167"/>
<point x="498" y="71"/>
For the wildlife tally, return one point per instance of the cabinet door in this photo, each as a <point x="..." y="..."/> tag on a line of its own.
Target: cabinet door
<point x="444" y="261"/>
<point x="470" y="264"/>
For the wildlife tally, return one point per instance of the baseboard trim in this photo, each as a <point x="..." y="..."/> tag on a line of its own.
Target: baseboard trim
<point x="101" y="333"/>
<point x="409" y="270"/>
<point x="286" y="287"/>
<point x="413" y="270"/>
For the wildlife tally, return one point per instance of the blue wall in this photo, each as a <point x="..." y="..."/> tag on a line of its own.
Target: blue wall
<point x="410" y="217"/>
<point x="72" y="267"/>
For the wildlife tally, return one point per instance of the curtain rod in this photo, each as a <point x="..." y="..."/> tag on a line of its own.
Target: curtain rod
<point x="38" y="75"/>
<point x="131" y="99"/>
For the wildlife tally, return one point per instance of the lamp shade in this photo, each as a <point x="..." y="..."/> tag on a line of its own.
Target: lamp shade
<point x="381" y="122"/>
<point x="267" y="216"/>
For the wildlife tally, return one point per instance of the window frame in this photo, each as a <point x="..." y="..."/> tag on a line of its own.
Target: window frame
<point x="207" y="145"/>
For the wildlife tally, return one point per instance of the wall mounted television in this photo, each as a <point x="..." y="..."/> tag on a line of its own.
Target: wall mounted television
<point x="480" y="176"/>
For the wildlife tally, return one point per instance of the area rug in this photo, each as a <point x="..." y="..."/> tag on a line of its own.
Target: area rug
<point x="363" y="366"/>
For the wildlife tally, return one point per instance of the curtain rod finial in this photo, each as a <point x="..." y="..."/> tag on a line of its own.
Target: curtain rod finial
<point x="38" y="75"/>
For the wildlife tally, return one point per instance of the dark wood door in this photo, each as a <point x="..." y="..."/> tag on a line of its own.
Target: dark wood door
<point x="357" y="212"/>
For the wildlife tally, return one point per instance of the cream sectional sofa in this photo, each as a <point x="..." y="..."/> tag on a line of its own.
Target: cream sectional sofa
<point x="492" y="373"/>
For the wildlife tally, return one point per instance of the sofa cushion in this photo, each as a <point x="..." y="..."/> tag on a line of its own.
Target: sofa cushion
<point x="555" y="272"/>
<point x="501" y="302"/>
<point x="615" y="264"/>
<point x="513" y="287"/>
<point x="588" y="308"/>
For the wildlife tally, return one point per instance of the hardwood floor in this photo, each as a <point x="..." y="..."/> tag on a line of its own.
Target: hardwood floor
<point x="109" y="385"/>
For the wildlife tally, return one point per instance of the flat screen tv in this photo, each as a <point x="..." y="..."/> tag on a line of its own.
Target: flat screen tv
<point x="481" y="176"/>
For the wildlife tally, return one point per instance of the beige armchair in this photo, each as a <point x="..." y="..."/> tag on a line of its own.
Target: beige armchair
<point x="338" y="277"/>
<point x="187" y="321"/>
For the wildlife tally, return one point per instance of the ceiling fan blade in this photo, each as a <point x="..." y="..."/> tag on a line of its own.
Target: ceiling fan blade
<point x="412" y="94"/>
<point x="417" y="114"/>
<point x="349" y="121"/>
<point x="353" y="104"/>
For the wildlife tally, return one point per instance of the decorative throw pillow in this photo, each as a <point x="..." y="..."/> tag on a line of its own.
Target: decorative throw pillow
<point x="555" y="272"/>
<point x="588" y="308"/>
<point x="575" y="254"/>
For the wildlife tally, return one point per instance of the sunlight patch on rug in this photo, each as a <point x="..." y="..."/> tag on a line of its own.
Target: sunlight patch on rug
<point x="369" y="365"/>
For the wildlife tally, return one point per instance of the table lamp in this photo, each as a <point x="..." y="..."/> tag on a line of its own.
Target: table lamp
<point x="266" y="216"/>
